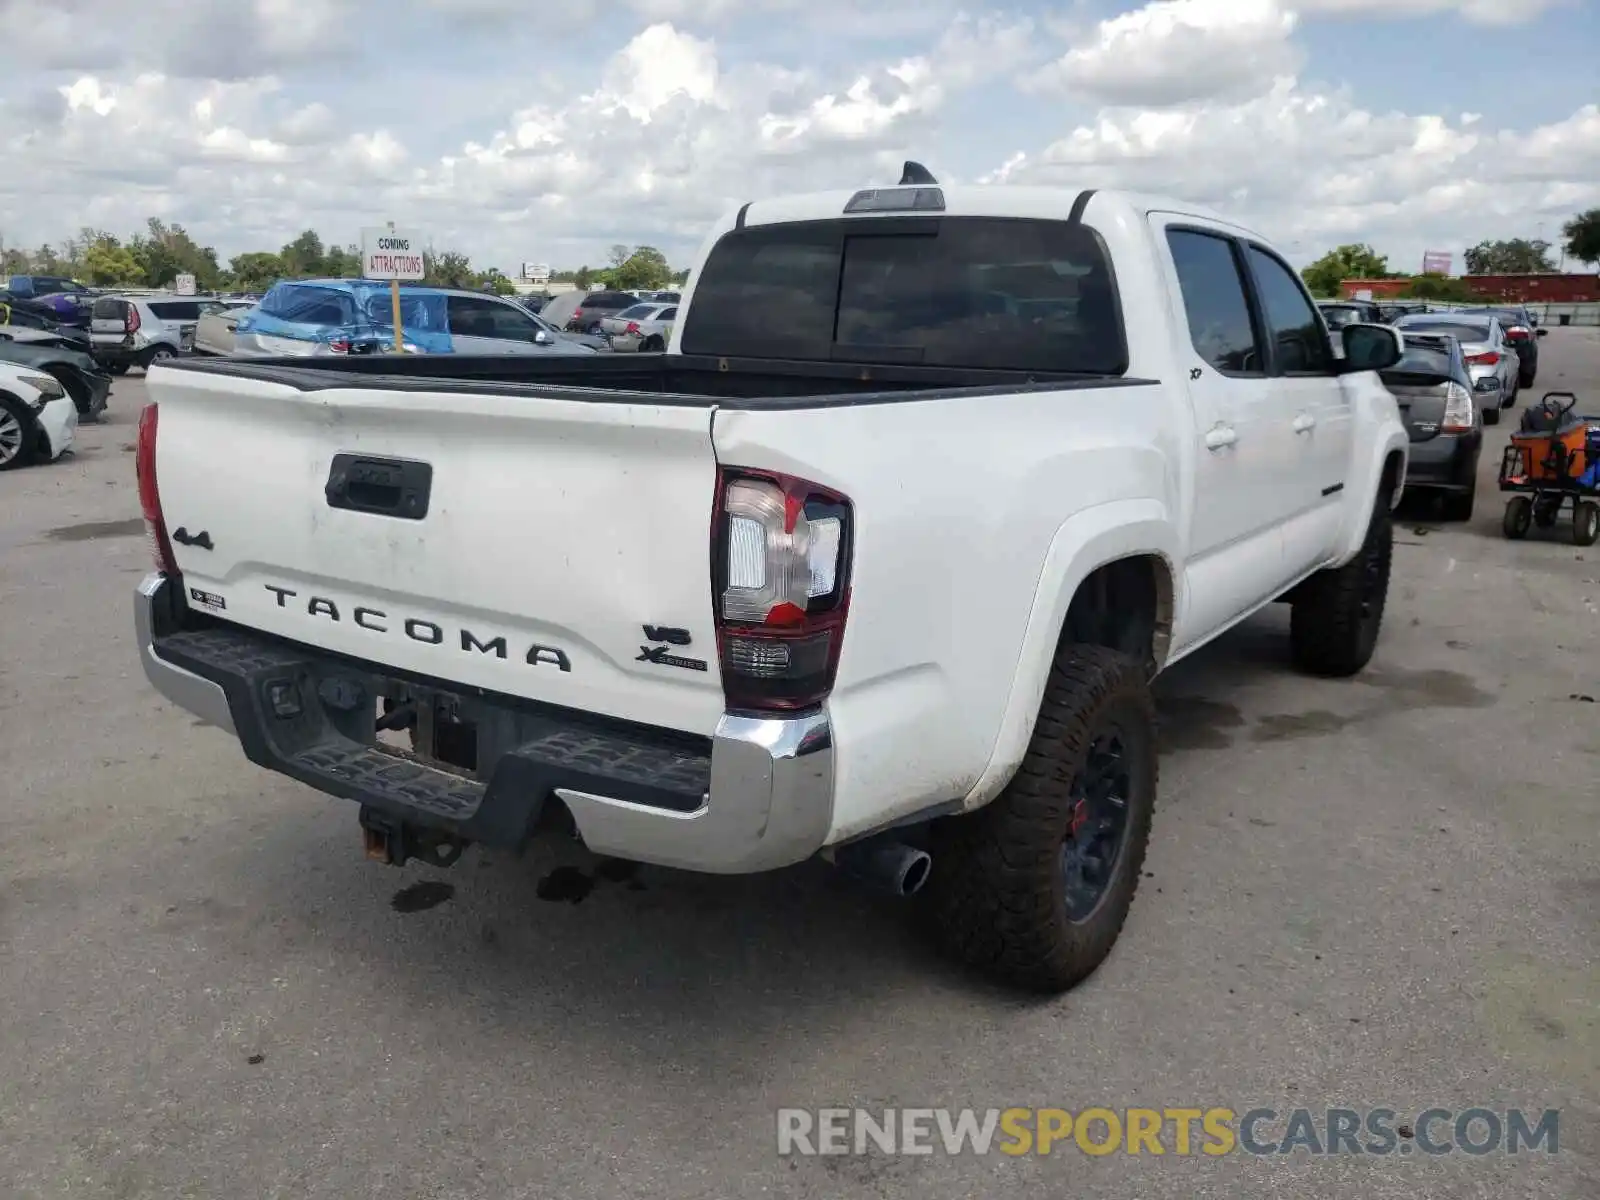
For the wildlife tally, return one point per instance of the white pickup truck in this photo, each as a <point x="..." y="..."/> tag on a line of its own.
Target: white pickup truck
<point x="876" y="562"/>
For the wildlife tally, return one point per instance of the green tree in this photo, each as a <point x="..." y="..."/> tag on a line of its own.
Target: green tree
<point x="1438" y="287"/>
<point x="256" y="271"/>
<point x="167" y="251"/>
<point x="1517" y="256"/>
<point x="1354" y="261"/>
<point x="15" y="262"/>
<point x="1583" y="236"/>
<point x="304" y="256"/>
<point x="109" y="264"/>
<point x="498" y="283"/>
<point x="342" y="262"/>
<point x="645" y="268"/>
<point x="582" y="278"/>
<point x="447" y="269"/>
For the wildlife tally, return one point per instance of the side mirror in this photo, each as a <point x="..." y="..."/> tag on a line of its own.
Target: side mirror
<point x="1371" y="347"/>
<point x="1541" y="331"/>
<point x="541" y="338"/>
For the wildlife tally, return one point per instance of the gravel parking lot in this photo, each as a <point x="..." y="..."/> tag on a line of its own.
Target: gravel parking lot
<point x="1382" y="892"/>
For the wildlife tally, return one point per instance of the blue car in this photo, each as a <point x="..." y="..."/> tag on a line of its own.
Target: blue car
<point x="319" y="317"/>
<point x="66" y="297"/>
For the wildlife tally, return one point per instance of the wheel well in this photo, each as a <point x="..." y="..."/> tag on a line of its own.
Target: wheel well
<point x="1124" y="605"/>
<point x="1390" y="481"/>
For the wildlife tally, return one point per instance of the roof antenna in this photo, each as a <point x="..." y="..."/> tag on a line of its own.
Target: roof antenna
<point x="915" y="173"/>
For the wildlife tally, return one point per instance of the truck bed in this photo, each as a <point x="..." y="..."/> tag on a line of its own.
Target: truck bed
<point x="678" y="379"/>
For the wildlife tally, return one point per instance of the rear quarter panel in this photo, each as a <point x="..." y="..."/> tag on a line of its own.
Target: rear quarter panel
<point x="959" y="506"/>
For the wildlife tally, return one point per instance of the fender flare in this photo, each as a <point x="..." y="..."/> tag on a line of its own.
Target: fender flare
<point x="1359" y="515"/>
<point x="1085" y="542"/>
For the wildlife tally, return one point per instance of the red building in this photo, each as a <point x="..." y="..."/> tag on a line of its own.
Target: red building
<point x="1529" y="289"/>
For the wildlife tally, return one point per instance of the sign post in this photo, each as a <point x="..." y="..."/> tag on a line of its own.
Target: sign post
<point x="392" y="254"/>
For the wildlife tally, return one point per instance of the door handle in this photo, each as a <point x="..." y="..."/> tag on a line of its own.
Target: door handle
<point x="1219" y="437"/>
<point x="1305" y="423"/>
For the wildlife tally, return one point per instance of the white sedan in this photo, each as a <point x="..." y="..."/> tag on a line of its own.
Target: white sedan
<point x="643" y="327"/>
<point x="38" y="420"/>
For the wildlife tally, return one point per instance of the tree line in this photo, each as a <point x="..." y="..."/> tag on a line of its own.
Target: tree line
<point x="155" y="256"/>
<point x="1512" y="256"/>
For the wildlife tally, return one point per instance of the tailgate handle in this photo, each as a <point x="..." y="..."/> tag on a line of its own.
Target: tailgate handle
<point x="384" y="487"/>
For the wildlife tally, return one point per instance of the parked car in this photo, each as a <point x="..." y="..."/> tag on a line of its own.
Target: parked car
<point x="213" y="333"/>
<point x="646" y="327"/>
<point x="1434" y="388"/>
<point x="68" y="298"/>
<point x="340" y="317"/>
<point x="27" y="322"/>
<point x="594" y="341"/>
<point x="136" y="331"/>
<point x="62" y="359"/>
<point x="1339" y="313"/>
<point x="37" y="417"/>
<point x="581" y="312"/>
<point x="1523" y="332"/>
<point x="970" y="483"/>
<point x="1491" y="358"/>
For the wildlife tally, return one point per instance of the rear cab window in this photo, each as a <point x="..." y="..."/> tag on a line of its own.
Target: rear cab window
<point x="108" y="309"/>
<point x="973" y="292"/>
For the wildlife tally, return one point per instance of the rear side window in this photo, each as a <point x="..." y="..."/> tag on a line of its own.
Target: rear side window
<point x="1300" y="345"/>
<point x="1214" y="302"/>
<point x="106" y="309"/>
<point x="308" y="305"/>
<point x="979" y="292"/>
<point x="668" y="314"/>
<point x="176" y="310"/>
<point x="638" y="312"/>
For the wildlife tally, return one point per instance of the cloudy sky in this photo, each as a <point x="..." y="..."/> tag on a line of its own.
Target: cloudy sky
<point x="517" y="130"/>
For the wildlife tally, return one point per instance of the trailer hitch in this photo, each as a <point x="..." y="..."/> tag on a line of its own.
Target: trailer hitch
<point x="394" y="843"/>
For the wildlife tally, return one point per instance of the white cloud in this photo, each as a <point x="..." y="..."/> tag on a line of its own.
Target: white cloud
<point x="1173" y="51"/>
<point x="1310" y="167"/>
<point x="556" y="157"/>
<point x="1483" y="12"/>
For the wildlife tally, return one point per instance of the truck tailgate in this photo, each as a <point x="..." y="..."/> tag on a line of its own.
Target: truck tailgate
<point x="554" y="531"/>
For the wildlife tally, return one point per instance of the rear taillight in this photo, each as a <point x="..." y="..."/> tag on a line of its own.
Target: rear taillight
<point x="1517" y="333"/>
<point x="339" y="346"/>
<point x="133" y="321"/>
<point x="577" y="314"/>
<point x="1459" y="411"/>
<point x="633" y="327"/>
<point x="1487" y="359"/>
<point x="155" y="525"/>
<point x="781" y="577"/>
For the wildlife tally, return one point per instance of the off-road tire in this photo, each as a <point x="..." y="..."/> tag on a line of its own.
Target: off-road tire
<point x="995" y="898"/>
<point x="1337" y="614"/>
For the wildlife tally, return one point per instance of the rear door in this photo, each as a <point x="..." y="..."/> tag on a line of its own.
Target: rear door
<point x="1309" y="401"/>
<point x="553" y="532"/>
<point x="1235" y="548"/>
<point x="108" y="320"/>
<point x="177" y="319"/>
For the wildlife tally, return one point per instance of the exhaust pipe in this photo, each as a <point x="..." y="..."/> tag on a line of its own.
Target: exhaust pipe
<point x="885" y="864"/>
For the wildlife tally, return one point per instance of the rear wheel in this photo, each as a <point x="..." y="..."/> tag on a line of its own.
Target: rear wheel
<point x="117" y="368"/>
<point x="1519" y="515"/>
<point x="1586" y="523"/>
<point x="1034" y="888"/>
<point x="652" y="344"/>
<point x="160" y="354"/>
<point x="1336" y="614"/>
<point x="17" y="433"/>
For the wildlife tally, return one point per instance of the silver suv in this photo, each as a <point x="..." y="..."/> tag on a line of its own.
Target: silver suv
<point x="135" y="331"/>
